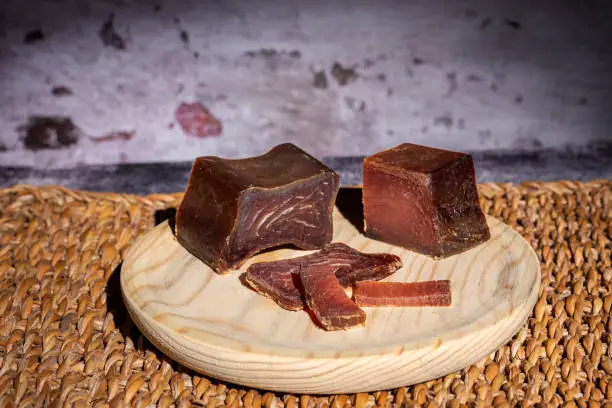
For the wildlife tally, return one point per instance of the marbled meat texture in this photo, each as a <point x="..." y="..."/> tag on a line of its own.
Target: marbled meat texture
<point x="429" y="293"/>
<point x="233" y="209"/>
<point x="279" y="280"/>
<point x="326" y="299"/>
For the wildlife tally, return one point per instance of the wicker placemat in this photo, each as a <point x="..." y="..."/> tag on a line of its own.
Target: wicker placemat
<point x="65" y="338"/>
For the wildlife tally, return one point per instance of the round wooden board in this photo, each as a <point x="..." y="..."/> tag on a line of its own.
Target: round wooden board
<point x="215" y="325"/>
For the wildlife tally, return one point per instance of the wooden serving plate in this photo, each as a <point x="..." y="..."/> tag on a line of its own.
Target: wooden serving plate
<point x="215" y="325"/>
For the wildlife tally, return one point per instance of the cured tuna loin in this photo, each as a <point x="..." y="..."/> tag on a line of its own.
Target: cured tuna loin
<point x="327" y="300"/>
<point x="423" y="199"/>
<point x="234" y="208"/>
<point x="430" y="293"/>
<point x="280" y="281"/>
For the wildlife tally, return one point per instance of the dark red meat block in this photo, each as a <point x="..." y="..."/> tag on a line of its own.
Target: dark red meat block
<point x="196" y="120"/>
<point x="279" y="280"/>
<point x="327" y="300"/>
<point x="423" y="199"/>
<point x="234" y="208"/>
<point x="430" y="293"/>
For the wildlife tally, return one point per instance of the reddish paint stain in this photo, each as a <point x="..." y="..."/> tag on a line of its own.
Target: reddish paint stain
<point x="196" y="120"/>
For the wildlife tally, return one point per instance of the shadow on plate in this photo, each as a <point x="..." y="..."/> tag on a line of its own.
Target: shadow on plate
<point x="349" y="202"/>
<point x="166" y="214"/>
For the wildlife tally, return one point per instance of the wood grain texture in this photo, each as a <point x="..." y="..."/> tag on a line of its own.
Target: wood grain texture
<point x="217" y="326"/>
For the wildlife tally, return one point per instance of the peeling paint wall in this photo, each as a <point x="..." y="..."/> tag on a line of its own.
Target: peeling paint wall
<point x="337" y="78"/>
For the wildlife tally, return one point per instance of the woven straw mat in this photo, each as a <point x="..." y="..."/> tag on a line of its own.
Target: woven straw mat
<point x="65" y="338"/>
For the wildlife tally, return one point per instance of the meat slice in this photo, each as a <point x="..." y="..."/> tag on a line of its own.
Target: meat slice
<point x="430" y="293"/>
<point x="280" y="280"/>
<point x="327" y="300"/>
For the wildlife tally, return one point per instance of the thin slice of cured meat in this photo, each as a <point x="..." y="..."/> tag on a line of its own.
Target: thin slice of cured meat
<point x="327" y="300"/>
<point x="280" y="280"/>
<point x="429" y="293"/>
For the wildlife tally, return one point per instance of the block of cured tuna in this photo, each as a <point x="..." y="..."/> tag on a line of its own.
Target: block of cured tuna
<point x="233" y="209"/>
<point x="423" y="199"/>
